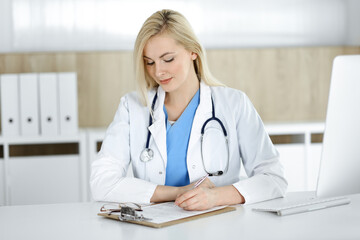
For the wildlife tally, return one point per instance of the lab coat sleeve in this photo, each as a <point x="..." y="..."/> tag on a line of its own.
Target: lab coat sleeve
<point x="260" y="158"/>
<point x="108" y="179"/>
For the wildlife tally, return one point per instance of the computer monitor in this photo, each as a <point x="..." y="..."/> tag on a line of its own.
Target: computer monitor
<point x="340" y="161"/>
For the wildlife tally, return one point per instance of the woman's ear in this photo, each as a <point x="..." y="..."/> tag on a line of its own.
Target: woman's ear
<point x="193" y="56"/>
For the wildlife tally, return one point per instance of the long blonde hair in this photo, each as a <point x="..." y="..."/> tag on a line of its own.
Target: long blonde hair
<point x="176" y="25"/>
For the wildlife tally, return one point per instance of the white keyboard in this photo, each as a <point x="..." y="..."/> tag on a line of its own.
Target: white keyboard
<point x="311" y="205"/>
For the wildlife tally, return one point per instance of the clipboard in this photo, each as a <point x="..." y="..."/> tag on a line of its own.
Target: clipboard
<point x="149" y="223"/>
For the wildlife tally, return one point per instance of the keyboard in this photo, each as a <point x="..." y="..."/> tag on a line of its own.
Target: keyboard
<point x="311" y="205"/>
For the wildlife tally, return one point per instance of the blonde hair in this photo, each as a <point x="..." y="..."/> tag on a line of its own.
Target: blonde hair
<point x="176" y="25"/>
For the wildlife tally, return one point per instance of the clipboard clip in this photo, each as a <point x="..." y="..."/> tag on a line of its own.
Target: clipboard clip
<point x="127" y="213"/>
<point x="130" y="214"/>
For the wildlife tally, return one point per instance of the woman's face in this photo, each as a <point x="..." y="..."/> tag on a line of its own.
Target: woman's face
<point x="168" y="62"/>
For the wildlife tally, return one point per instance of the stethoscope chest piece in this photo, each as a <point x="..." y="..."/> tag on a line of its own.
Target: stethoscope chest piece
<point x="146" y="155"/>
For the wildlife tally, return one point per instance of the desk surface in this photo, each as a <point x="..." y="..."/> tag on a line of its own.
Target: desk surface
<point x="80" y="221"/>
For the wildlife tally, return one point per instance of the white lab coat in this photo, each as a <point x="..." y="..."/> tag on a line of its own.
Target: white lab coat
<point x="126" y="138"/>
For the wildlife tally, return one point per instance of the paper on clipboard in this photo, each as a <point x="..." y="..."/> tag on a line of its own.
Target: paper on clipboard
<point x="166" y="214"/>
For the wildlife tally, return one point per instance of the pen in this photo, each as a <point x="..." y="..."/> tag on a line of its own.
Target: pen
<point x="200" y="181"/>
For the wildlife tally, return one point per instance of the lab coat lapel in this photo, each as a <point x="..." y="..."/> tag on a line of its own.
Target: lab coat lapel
<point x="203" y="112"/>
<point x="158" y="129"/>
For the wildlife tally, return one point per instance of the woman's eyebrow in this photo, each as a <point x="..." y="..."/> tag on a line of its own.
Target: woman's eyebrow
<point x="161" y="55"/>
<point x="166" y="54"/>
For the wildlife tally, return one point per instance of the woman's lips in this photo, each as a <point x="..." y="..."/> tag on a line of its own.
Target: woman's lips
<point x="165" y="81"/>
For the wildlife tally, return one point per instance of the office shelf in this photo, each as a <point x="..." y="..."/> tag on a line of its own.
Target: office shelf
<point x="36" y="179"/>
<point x="300" y="154"/>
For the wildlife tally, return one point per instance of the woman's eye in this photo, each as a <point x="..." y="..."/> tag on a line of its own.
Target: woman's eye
<point x="168" y="60"/>
<point x="149" y="63"/>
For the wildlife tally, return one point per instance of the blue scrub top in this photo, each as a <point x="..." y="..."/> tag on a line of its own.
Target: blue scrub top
<point x="177" y="141"/>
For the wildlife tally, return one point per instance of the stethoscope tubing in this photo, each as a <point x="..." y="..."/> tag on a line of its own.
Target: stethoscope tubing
<point x="147" y="151"/>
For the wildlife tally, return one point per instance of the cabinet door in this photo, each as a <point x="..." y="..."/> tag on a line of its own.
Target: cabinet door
<point x="44" y="179"/>
<point x="2" y="182"/>
<point x="292" y="158"/>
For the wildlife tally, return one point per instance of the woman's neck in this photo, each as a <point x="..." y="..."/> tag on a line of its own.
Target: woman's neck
<point x="177" y="101"/>
<point x="183" y="95"/>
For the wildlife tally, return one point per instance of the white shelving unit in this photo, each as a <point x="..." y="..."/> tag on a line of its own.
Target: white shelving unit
<point x="93" y="137"/>
<point x="300" y="158"/>
<point x="43" y="179"/>
<point x="2" y="182"/>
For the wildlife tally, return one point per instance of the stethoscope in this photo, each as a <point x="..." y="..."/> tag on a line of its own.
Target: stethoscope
<point x="147" y="154"/>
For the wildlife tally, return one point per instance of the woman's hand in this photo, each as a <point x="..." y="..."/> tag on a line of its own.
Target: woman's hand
<point x="207" y="183"/>
<point x="207" y="196"/>
<point x="169" y="193"/>
<point x="200" y="198"/>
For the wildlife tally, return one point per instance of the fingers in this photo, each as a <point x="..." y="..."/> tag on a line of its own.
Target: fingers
<point x="196" y="199"/>
<point x="190" y="204"/>
<point x="185" y="196"/>
<point x="195" y="205"/>
<point x="199" y="198"/>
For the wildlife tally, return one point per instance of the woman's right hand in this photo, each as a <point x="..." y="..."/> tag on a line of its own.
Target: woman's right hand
<point x="168" y="193"/>
<point x="207" y="183"/>
<point x="200" y="198"/>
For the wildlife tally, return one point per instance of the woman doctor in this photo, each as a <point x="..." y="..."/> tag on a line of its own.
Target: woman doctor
<point x="182" y="126"/>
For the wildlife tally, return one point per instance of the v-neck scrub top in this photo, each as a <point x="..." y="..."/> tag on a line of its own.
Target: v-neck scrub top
<point x="177" y="141"/>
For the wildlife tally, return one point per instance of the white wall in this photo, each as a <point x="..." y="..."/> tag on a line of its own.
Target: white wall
<point x="275" y="23"/>
<point x="82" y="25"/>
<point x="5" y="26"/>
<point x="353" y="26"/>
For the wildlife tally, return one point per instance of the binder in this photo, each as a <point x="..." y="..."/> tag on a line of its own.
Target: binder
<point x="49" y="107"/>
<point x="10" y="116"/>
<point x="68" y="114"/>
<point x="172" y="211"/>
<point x="29" y="104"/>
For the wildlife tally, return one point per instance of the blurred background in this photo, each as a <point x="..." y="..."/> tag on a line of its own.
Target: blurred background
<point x="278" y="52"/>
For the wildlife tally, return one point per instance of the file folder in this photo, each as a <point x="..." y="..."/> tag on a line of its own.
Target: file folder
<point x="29" y="104"/>
<point x="49" y="107"/>
<point x="10" y="115"/>
<point x="67" y="86"/>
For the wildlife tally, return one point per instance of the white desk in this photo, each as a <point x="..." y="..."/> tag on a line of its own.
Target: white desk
<point x="79" y="221"/>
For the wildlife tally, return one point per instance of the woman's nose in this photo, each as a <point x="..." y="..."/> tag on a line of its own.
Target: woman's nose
<point x="159" y="70"/>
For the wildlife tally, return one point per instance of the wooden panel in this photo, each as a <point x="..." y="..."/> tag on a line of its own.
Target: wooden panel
<point x="103" y="79"/>
<point x="43" y="149"/>
<point x="285" y="84"/>
<point x="37" y="62"/>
